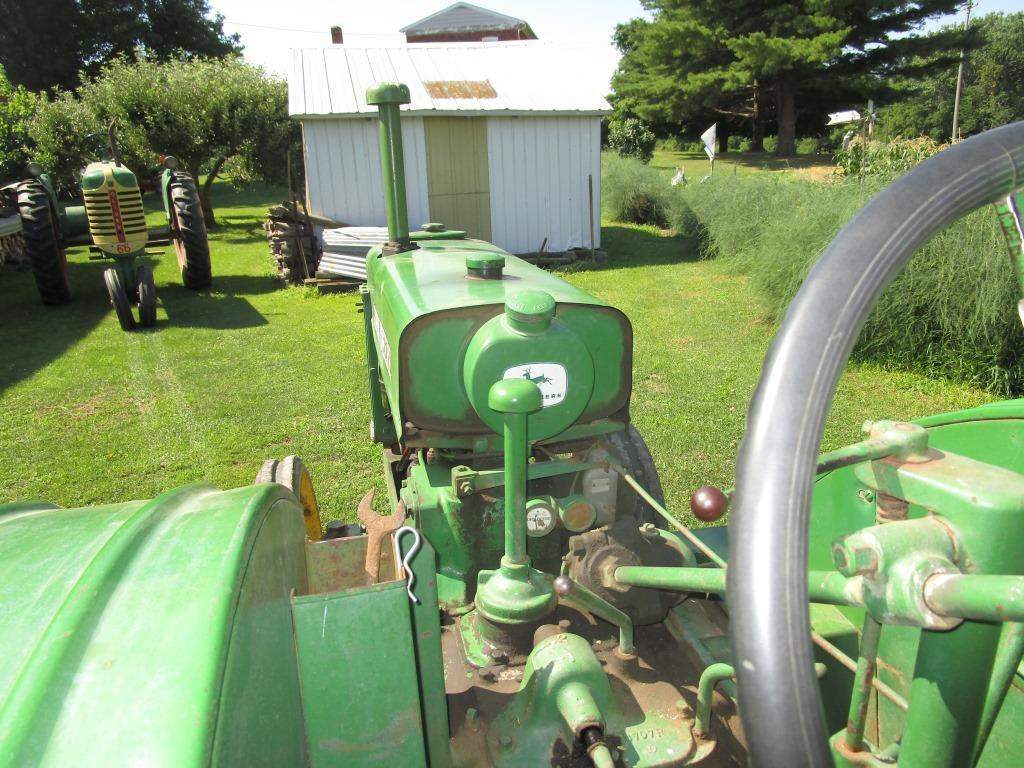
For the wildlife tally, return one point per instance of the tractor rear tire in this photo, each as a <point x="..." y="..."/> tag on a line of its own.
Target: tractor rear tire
<point x="42" y="243"/>
<point x="636" y="457"/>
<point x="147" y="295"/>
<point x="293" y="475"/>
<point x="119" y="299"/>
<point x="190" y="240"/>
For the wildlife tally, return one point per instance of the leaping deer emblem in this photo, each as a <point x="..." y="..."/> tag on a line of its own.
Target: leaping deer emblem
<point x="538" y="380"/>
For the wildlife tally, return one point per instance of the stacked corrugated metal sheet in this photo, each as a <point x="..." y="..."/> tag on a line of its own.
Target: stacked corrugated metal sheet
<point x="345" y="250"/>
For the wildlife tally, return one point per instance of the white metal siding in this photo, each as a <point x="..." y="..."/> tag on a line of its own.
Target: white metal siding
<point x="538" y="181"/>
<point x="343" y="173"/>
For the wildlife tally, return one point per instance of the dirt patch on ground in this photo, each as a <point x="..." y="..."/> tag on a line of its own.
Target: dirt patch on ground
<point x="816" y="172"/>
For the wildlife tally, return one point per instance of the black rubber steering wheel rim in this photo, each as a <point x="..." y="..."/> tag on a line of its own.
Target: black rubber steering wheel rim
<point x="782" y="714"/>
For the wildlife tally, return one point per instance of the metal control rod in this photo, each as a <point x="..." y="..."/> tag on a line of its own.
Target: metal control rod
<point x="823" y="584"/>
<point x="709" y="553"/>
<point x="824" y="587"/>
<point x="575" y="592"/>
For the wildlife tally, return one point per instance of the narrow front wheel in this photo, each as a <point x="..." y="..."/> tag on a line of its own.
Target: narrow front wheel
<point x="147" y="296"/>
<point x="119" y="299"/>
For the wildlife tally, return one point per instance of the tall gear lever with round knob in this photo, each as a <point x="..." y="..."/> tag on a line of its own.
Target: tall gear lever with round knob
<point x="515" y="593"/>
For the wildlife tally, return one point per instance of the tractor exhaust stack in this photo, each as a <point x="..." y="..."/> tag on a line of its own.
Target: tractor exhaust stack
<point x="388" y="97"/>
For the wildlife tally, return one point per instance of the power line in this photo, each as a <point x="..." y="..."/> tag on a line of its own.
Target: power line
<point x="325" y="31"/>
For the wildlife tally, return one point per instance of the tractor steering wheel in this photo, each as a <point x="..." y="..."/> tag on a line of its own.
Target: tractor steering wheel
<point x="783" y="718"/>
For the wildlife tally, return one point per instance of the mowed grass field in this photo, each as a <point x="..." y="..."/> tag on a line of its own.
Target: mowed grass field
<point x="250" y="370"/>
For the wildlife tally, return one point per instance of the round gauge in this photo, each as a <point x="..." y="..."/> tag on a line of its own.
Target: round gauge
<point x="540" y="518"/>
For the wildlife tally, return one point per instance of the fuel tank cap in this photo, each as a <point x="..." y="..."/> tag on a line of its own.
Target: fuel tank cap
<point x="530" y="311"/>
<point x="485" y="264"/>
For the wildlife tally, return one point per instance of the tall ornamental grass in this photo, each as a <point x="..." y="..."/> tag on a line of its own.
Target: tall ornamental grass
<point x="633" y="192"/>
<point x="952" y="312"/>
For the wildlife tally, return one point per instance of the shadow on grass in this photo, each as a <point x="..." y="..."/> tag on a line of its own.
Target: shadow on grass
<point x="629" y="245"/>
<point x="34" y="335"/>
<point x="222" y="307"/>
<point x="238" y="230"/>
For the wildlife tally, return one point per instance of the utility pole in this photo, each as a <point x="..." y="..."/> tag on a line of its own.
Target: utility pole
<point x="960" y="82"/>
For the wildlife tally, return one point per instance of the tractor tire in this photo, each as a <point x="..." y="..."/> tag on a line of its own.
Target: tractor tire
<point x="42" y="244"/>
<point x="635" y="457"/>
<point x="147" y="295"/>
<point x="119" y="299"/>
<point x="293" y="475"/>
<point x="189" y="232"/>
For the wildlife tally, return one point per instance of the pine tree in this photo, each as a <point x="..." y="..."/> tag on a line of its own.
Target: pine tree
<point x="733" y="59"/>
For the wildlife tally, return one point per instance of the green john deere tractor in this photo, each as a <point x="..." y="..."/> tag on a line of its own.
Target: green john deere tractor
<point x="112" y="221"/>
<point x="527" y="600"/>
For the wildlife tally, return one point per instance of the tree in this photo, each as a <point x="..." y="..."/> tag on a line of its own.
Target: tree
<point x="17" y="105"/>
<point x="993" y="92"/>
<point x="733" y="59"/>
<point x="205" y="112"/>
<point x="631" y="138"/>
<point x="674" y="72"/>
<point x="46" y="44"/>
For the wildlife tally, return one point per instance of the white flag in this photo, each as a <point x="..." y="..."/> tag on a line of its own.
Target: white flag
<point x="710" y="139"/>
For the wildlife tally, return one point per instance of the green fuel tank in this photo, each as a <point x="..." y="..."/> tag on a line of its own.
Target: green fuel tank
<point x="449" y="318"/>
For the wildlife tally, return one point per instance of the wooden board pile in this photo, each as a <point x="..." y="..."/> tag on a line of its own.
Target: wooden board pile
<point x="12" y="245"/>
<point x="292" y="240"/>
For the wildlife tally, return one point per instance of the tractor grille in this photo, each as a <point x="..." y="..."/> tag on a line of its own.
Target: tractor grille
<point x="115" y="215"/>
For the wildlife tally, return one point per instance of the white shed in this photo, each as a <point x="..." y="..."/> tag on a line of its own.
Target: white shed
<point x="501" y="139"/>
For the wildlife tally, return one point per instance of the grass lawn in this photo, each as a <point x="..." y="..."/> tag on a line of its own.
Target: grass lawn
<point x="250" y="370"/>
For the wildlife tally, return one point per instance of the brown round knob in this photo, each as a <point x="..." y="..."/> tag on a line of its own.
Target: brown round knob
<point x="708" y="503"/>
<point x="563" y="586"/>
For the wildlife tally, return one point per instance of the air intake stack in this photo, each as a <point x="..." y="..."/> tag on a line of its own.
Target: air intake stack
<point x="388" y="97"/>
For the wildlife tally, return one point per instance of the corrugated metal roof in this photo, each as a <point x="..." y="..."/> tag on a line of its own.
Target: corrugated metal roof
<point x="527" y="77"/>
<point x="462" y="16"/>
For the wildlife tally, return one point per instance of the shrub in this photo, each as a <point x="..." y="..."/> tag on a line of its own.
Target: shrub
<point x="16" y="106"/>
<point x="204" y="112"/>
<point x="631" y="138"/>
<point x="884" y="159"/>
<point x="771" y="143"/>
<point x="950" y="313"/>
<point x="808" y="146"/>
<point x="633" y="191"/>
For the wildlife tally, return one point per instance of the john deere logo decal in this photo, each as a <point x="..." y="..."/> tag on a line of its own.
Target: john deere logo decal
<point x="550" y="377"/>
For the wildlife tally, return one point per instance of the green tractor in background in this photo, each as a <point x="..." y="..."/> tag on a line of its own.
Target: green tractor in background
<point x="113" y="222"/>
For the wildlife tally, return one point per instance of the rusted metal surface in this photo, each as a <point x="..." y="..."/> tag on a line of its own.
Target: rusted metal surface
<point x="460" y="89"/>
<point x="378" y="528"/>
<point x="656" y="694"/>
<point x="336" y="564"/>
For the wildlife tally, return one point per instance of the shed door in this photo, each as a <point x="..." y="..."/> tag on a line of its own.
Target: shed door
<point x="457" y="186"/>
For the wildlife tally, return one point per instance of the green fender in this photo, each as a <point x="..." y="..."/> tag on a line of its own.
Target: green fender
<point x="152" y="632"/>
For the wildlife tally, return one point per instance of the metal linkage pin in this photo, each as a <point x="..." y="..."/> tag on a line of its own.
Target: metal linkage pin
<point x="407" y="559"/>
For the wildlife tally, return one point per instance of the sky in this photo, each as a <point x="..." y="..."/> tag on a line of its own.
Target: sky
<point x="269" y="30"/>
